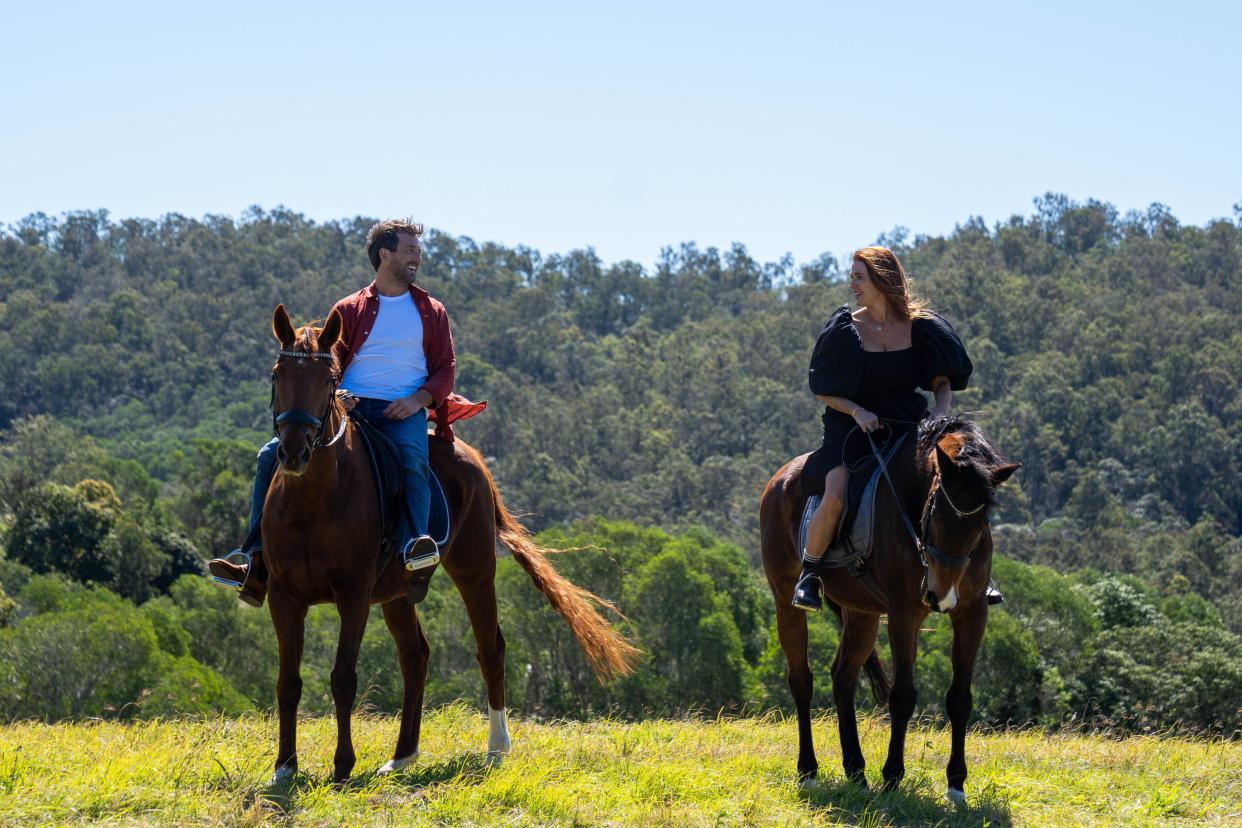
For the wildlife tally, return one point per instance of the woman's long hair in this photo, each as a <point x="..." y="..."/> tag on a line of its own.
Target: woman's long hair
<point x="890" y="279"/>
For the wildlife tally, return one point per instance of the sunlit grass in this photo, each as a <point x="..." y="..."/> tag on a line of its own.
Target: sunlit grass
<point x="684" y="773"/>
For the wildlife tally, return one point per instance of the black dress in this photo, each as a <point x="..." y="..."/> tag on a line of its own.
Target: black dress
<point x="885" y="383"/>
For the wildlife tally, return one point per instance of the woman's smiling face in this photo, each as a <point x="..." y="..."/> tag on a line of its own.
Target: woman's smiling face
<point x="865" y="292"/>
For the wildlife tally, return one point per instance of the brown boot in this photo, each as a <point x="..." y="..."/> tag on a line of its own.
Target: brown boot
<point x="249" y="579"/>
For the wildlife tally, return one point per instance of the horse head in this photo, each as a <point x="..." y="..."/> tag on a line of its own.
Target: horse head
<point x="304" y="381"/>
<point x="965" y="469"/>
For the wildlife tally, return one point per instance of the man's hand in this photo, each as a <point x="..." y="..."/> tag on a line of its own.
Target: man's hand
<point x="407" y="406"/>
<point x="347" y="400"/>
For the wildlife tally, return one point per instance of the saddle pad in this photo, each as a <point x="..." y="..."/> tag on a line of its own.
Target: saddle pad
<point x="854" y="530"/>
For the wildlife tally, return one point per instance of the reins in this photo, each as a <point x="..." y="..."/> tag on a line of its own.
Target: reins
<point x="921" y="546"/>
<point x="297" y="416"/>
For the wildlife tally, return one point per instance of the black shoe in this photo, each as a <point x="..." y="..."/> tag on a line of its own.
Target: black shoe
<point x="806" y="593"/>
<point x="994" y="595"/>
<point x="420" y="553"/>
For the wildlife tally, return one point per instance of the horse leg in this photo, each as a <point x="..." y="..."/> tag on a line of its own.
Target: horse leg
<point x="412" y="650"/>
<point x="858" y="632"/>
<point x="479" y="595"/>
<point x="353" y="610"/>
<point x="791" y="630"/>
<point x="903" y="630"/>
<point x="968" y="626"/>
<point x="289" y="619"/>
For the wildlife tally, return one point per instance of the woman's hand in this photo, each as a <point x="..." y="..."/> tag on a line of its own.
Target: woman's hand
<point x="865" y="419"/>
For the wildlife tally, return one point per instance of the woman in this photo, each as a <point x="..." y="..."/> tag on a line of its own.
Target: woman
<point x="867" y="368"/>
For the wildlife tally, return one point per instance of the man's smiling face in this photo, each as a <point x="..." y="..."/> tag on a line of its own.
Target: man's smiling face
<point x="403" y="263"/>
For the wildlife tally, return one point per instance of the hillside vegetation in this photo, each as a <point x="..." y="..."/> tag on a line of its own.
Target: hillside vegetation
<point x="637" y="412"/>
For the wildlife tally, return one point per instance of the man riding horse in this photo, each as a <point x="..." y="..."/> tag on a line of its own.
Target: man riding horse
<point x="397" y="362"/>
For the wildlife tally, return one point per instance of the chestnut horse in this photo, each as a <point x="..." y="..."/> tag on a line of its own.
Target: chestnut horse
<point x="948" y="477"/>
<point x="322" y="538"/>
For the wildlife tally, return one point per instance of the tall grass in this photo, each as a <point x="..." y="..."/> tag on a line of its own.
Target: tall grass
<point x="683" y="773"/>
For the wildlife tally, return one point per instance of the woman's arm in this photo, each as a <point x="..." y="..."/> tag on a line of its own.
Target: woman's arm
<point x="944" y="396"/>
<point x="865" y="419"/>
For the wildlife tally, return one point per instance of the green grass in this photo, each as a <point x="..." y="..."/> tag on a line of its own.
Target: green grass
<point x="683" y="773"/>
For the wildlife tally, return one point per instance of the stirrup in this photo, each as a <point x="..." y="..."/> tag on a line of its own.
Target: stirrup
<point x="244" y="559"/>
<point x="808" y="574"/>
<point x="420" y="553"/>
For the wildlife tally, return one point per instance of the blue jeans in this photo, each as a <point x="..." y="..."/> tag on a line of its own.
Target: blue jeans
<point x="410" y="437"/>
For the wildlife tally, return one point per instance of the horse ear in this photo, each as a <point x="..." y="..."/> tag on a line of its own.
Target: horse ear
<point x="331" y="331"/>
<point x="282" y="328"/>
<point x="1001" y="473"/>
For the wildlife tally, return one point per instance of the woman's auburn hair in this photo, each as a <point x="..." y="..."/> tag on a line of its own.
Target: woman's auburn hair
<point x="890" y="279"/>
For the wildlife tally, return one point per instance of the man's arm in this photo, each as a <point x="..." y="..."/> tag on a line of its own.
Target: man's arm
<point x="443" y="373"/>
<point x="440" y="377"/>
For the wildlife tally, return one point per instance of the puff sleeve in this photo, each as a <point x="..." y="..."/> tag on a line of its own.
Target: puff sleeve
<point x="940" y="352"/>
<point x="837" y="363"/>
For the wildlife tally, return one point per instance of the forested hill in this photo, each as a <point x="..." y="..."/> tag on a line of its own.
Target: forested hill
<point x="1108" y="351"/>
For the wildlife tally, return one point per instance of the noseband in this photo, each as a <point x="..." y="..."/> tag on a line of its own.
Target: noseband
<point x="920" y="543"/>
<point x="305" y="418"/>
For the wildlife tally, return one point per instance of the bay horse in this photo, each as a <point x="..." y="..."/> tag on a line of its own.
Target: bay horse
<point x="322" y="543"/>
<point x="948" y="476"/>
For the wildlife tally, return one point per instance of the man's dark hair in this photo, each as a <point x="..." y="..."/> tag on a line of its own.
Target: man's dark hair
<point x="383" y="236"/>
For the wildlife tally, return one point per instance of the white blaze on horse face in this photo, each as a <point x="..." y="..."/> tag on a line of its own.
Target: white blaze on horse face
<point x="949" y="601"/>
<point x="498" y="742"/>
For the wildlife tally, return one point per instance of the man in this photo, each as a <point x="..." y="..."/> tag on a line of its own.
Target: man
<point x="396" y="356"/>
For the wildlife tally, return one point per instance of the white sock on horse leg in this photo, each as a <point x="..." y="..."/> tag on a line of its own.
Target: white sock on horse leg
<point x="498" y="742"/>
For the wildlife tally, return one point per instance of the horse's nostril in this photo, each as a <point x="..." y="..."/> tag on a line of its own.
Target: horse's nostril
<point x="929" y="598"/>
<point x="306" y="455"/>
<point x="280" y="453"/>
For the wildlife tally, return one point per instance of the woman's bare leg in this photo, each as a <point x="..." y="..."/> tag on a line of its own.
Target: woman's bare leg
<point x="823" y="525"/>
<point x="820" y="533"/>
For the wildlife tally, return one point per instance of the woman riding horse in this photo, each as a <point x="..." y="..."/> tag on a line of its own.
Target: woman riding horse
<point x="866" y="369"/>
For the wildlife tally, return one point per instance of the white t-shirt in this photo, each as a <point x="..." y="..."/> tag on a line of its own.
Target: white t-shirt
<point x="391" y="363"/>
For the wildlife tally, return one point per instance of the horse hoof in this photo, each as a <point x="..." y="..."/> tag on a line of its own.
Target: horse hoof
<point x="281" y="776"/>
<point x="396" y="764"/>
<point x="494" y="759"/>
<point x="808" y="783"/>
<point x="956" y="796"/>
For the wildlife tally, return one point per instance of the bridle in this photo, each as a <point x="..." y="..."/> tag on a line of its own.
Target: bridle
<point x="302" y="418"/>
<point x="920" y="538"/>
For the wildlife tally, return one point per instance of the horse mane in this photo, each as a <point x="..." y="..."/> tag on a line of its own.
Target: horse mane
<point x="976" y="453"/>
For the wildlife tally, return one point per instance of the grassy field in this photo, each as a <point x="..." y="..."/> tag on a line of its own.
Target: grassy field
<point x="683" y="773"/>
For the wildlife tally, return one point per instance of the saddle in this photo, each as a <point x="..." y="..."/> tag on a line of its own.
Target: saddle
<point x="388" y="474"/>
<point x="852" y="543"/>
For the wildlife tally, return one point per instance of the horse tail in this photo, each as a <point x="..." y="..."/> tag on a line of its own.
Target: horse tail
<point x="609" y="653"/>
<point x="881" y="687"/>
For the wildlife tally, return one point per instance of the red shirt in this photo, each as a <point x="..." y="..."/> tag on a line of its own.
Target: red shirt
<point x="358" y="312"/>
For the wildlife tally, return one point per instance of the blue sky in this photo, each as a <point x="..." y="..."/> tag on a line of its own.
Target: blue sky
<point x="789" y="127"/>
